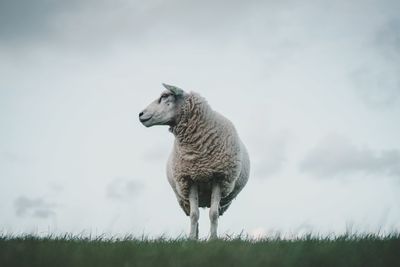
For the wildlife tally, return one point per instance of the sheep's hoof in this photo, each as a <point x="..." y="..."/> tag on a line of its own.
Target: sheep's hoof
<point x="195" y="235"/>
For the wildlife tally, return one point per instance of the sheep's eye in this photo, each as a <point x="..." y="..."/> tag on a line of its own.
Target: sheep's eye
<point x="163" y="96"/>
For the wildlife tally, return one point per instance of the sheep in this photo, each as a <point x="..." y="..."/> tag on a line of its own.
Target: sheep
<point x="209" y="165"/>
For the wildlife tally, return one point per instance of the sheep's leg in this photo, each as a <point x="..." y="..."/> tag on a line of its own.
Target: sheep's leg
<point x="194" y="211"/>
<point x="214" y="209"/>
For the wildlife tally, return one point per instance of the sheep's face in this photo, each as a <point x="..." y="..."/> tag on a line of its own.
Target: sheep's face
<point x="164" y="110"/>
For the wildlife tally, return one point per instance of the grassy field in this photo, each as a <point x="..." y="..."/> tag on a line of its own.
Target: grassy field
<point x="348" y="250"/>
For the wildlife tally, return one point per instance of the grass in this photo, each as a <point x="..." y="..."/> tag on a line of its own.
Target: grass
<point x="67" y="250"/>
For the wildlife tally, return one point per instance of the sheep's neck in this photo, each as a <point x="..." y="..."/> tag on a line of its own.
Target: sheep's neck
<point x="195" y="125"/>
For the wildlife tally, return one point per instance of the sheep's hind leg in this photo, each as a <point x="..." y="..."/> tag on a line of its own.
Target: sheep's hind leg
<point x="214" y="209"/>
<point x="194" y="212"/>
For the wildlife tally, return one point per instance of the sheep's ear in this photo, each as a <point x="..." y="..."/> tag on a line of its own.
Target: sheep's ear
<point x="174" y="90"/>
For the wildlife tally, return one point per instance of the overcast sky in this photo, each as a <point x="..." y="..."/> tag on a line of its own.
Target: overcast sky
<point x="313" y="88"/>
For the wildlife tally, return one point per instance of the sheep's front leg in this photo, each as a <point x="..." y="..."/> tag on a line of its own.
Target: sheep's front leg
<point x="214" y="209"/>
<point x="194" y="211"/>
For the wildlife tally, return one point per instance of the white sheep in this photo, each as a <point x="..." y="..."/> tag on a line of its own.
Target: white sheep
<point x="209" y="165"/>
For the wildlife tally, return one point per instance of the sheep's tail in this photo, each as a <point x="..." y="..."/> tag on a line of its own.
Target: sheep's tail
<point x="224" y="205"/>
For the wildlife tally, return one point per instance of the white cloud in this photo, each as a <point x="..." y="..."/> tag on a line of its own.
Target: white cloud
<point x="35" y="207"/>
<point x="337" y="156"/>
<point x="377" y="81"/>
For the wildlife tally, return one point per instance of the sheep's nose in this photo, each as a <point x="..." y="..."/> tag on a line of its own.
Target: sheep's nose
<point x="140" y="114"/>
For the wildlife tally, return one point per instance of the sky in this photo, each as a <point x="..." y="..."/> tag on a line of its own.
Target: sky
<point x="313" y="88"/>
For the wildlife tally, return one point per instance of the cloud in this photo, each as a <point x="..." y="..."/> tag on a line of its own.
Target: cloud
<point x="377" y="81"/>
<point x="336" y="156"/>
<point x="36" y="207"/>
<point x="388" y="39"/>
<point x="21" y="20"/>
<point x="97" y="23"/>
<point x="123" y="189"/>
<point x="78" y="72"/>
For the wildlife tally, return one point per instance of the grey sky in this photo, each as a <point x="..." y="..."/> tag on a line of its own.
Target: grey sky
<point x="312" y="87"/>
<point x="336" y="156"/>
<point x="123" y="188"/>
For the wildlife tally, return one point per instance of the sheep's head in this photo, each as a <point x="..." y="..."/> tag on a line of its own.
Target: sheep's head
<point x="165" y="109"/>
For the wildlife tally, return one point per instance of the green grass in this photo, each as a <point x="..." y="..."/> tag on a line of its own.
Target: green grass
<point x="347" y="250"/>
